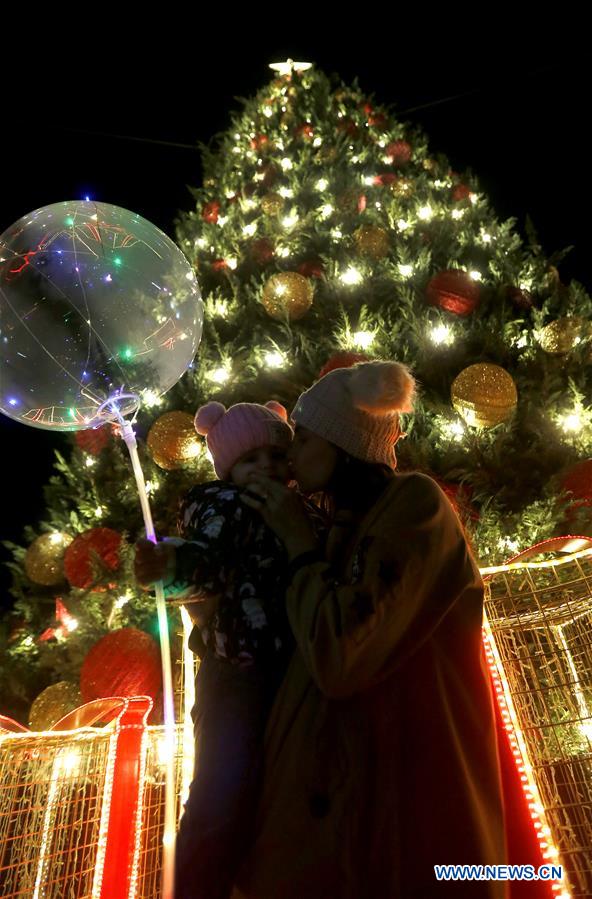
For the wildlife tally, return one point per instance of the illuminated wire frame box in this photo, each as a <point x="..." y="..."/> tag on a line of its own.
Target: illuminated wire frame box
<point x="539" y="611"/>
<point x="82" y="810"/>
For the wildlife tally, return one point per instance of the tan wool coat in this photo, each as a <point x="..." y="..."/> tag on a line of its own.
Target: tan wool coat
<point x="380" y="754"/>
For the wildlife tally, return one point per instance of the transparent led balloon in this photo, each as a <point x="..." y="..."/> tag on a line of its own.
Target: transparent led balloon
<point x="96" y="304"/>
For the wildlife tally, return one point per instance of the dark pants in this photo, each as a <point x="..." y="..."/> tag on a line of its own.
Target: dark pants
<point x="229" y="718"/>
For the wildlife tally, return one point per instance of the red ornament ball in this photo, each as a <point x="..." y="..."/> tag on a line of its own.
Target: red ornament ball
<point x="521" y="298"/>
<point x="259" y="142"/>
<point x="343" y="359"/>
<point x="311" y="268"/>
<point x="125" y="662"/>
<point x="94" y="440"/>
<point x="461" y="192"/>
<point x="210" y="212"/>
<point x="377" y="120"/>
<point x="386" y="178"/>
<point x="78" y="556"/>
<point x="453" y="291"/>
<point x="578" y="481"/>
<point x="399" y="152"/>
<point x="219" y="265"/>
<point x="262" y="251"/>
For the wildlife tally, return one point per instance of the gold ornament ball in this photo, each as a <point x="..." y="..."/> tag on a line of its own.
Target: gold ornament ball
<point x="402" y="187"/>
<point x="44" y="560"/>
<point x="287" y="293"/>
<point x="272" y="204"/>
<point x="51" y="705"/>
<point x="172" y="441"/>
<point x="562" y="335"/>
<point x="484" y="395"/>
<point x="372" y="241"/>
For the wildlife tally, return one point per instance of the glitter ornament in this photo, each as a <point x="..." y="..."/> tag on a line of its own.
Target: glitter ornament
<point x="372" y="241"/>
<point x="125" y="662"/>
<point x="80" y="556"/>
<point x="52" y="704"/>
<point x="44" y="560"/>
<point x="562" y="335"/>
<point x="172" y="442"/>
<point x="484" y="395"/>
<point x="287" y="293"/>
<point x="454" y="291"/>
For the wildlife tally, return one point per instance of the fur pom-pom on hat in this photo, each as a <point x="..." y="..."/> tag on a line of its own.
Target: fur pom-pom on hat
<point x="278" y="409"/>
<point x="207" y="416"/>
<point x="382" y="387"/>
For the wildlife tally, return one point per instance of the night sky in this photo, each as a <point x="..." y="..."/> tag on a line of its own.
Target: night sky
<point x="120" y="122"/>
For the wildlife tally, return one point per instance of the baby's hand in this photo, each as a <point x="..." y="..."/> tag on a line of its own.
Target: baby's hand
<point x="153" y="562"/>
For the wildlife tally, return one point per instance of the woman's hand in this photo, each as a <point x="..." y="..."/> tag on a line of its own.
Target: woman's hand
<point x="153" y="562"/>
<point x="281" y="509"/>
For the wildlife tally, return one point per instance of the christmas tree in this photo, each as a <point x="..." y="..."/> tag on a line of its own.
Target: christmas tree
<point x="327" y="231"/>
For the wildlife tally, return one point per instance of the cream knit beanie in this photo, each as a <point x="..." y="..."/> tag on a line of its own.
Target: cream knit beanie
<point x="358" y="408"/>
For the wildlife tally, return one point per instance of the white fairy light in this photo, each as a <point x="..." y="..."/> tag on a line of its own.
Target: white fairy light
<point x="364" y="339"/>
<point x="274" y="359"/>
<point x="402" y="224"/>
<point x="572" y="422"/>
<point x="90" y="462"/>
<point x="458" y="213"/>
<point x="322" y="184"/>
<point x="286" y="192"/>
<point x="475" y="275"/>
<point x="201" y="242"/>
<point x="326" y="210"/>
<point x="286" y="164"/>
<point x="232" y="262"/>
<point x="425" y="213"/>
<point x="455" y="430"/>
<point x="222" y="220"/>
<point x="283" y="252"/>
<point x="405" y="270"/>
<point x="219" y="375"/>
<point x="250" y="229"/>
<point x="317" y="142"/>
<point x="351" y="275"/>
<point x="442" y="334"/>
<point x="290" y="220"/>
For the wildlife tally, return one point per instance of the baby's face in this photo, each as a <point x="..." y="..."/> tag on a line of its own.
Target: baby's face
<point x="272" y="461"/>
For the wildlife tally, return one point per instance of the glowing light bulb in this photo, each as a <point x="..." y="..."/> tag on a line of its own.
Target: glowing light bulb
<point x="458" y="213"/>
<point x="425" y="213"/>
<point x="317" y="142"/>
<point x="322" y="184"/>
<point x="475" y="275"/>
<point x="90" y="462"/>
<point x="249" y="230"/>
<point x="283" y="252"/>
<point x="364" y="339"/>
<point x="232" y="262"/>
<point x="219" y="375"/>
<point x="286" y="192"/>
<point x="406" y="270"/>
<point x="290" y="220"/>
<point x="351" y="275"/>
<point x="326" y="210"/>
<point x="441" y="334"/>
<point x="286" y="164"/>
<point x="99" y="512"/>
<point x="274" y="359"/>
<point x="402" y="225"/>
<point x="572" y="422"/>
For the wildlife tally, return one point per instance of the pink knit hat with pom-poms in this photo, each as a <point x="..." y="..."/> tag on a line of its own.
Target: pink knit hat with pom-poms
<point x="358" y="408"/>
<point x="230" y="433"/>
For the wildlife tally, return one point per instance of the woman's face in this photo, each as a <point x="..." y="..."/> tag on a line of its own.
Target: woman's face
<point x="312" y="460"/>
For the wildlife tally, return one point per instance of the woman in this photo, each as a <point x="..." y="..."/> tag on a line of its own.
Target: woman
<point x="380" y="754"/>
